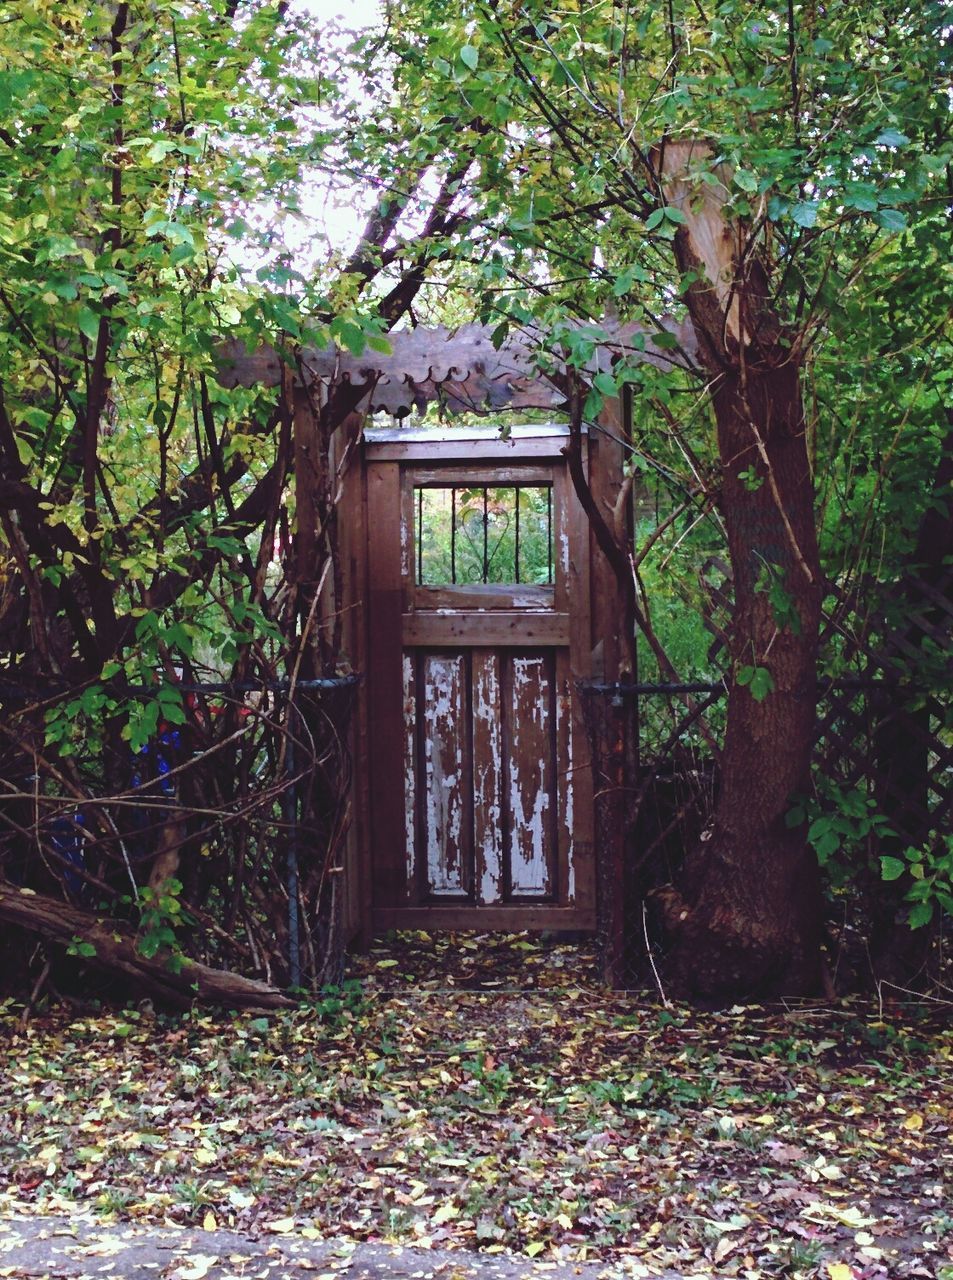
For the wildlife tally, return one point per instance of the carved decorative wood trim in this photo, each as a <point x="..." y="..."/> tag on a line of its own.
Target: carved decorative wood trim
<point x="463" y="370"/>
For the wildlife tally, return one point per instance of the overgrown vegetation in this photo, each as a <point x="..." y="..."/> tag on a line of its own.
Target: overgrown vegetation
<point x="788" y="438"/>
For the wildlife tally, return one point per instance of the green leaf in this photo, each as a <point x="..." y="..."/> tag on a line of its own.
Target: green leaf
<point x="88" y="322"/>
<point x="593" y="405"/>
<point x="760" y="684"/>
<point x="860" y="195"/>
<point x="804" y="213"/>
<point x="920" y="914"/>
<point x="470" y="56"/>
<point x="350" y="335"/>
<point x="891" y="868"/>
<point x="655" y="219"/>
<point x="77" y="947"/>
<point x="891" y="219"/>
<point x="149" y="945"/>
<point x="795" y="816"/>
<point x="891" y="138"/>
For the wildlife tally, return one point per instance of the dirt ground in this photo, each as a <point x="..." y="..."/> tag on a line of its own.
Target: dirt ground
<point x="74" y="1248"/>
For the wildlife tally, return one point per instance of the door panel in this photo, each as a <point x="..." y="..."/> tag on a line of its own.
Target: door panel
<point x="444" y="842"/>
<point x="529" y="721"/>
<point x="488" y="775"/>
<point x="480" y="752"/>
<point x="480" y="775"/>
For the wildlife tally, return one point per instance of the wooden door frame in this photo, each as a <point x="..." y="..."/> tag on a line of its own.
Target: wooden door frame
<point x="431" y="455"/>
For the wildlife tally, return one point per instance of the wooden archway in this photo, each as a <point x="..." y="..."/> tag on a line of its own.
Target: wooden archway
<point x="416" y="856"/>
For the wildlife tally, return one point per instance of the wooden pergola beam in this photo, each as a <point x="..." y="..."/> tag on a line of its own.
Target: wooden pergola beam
<point x="463" y="369"/>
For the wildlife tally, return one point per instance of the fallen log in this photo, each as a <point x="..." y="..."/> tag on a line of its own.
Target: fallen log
<point x="115" y="952"/>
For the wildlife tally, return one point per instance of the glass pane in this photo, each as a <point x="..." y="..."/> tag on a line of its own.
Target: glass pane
<point x="479" y="534"/>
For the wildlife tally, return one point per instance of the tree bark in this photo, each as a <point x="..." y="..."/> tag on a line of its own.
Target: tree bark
<point x="116" y="953"/>
<point x="748" y="918"/>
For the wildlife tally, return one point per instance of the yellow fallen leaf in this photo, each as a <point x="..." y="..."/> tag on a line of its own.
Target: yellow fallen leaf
<point x="445" y="1213"/>
<point x="564" y="1221"/>
<point x="913" y="1122"/>
<point x="208" y="1222"/>
<point x="280" y="1226"/>
<point x="536" y="1247"/>
<point x="847" y="1215"/>
<point x="840" y="1271"/>
<point x="196" y="1266"/>
<point x="723" y="1248"/>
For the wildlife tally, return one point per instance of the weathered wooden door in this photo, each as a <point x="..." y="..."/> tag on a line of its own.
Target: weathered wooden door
<point x="478" y="624"/>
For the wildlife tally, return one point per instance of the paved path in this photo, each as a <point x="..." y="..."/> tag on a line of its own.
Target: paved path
<point x="68" y="1248"/>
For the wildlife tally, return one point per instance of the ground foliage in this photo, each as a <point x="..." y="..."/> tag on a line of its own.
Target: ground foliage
<point x="488" y="1093"/>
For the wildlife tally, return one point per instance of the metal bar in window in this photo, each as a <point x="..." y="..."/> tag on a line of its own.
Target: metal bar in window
<point x="453" y="535"/>
<point x="516" y="546"/>
<point x="486" y="519"/>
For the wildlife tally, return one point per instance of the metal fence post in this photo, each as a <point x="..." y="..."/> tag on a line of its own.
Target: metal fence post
<point x="290" y="807"/>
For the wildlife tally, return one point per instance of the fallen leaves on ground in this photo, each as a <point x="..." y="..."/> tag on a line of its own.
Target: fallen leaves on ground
<point x="488" y="1093"/>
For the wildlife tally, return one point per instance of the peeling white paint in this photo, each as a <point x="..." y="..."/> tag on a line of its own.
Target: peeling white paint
<point x="525" y="600"/>
<point x="406" y="547"/>
<point x="564" y="550"/>
<point x="487" y="777"/>
<point x="410" y="767"/>
<point x="444" y="767"/>
<point x="529" y="798"/>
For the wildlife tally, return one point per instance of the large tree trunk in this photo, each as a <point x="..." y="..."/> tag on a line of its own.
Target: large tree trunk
<point x="749" y="915"/>
<point x="115" y="952"/>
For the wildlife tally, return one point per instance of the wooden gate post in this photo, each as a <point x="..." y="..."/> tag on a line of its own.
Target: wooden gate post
<point x="610" y="665"/>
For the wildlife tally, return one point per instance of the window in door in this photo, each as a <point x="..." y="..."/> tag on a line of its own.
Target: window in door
<point x="481" y="534"/>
